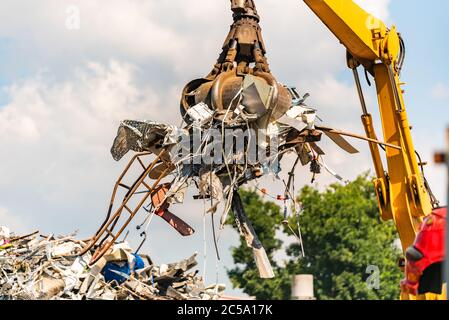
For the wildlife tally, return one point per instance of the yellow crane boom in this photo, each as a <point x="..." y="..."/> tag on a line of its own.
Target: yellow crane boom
<point x="401" y="190"/>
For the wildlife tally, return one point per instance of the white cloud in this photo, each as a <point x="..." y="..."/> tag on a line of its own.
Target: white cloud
<point x="440" y="91"/>
<point x="170" y="34"/>
<point x="378" y="8"/>
<point x="10" y="221"/>
<point x="115" y="27"/>
<point x="57" y="135"/>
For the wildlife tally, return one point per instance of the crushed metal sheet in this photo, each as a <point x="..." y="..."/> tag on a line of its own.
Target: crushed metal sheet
<point x="200" y="113"/>
<point x="139" y="136"/>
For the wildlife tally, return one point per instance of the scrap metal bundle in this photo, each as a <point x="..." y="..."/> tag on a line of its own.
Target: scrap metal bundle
<point x="238" y="123"/>
<point x="36" y="267"/>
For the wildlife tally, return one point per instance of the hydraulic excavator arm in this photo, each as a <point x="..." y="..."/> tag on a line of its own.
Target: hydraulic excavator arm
<point x="402" y="191"/>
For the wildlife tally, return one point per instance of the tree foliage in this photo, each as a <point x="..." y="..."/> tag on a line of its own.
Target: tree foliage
<point x="344" y="241"/>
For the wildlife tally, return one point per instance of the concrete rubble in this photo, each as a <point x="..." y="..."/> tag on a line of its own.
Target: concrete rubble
<point x="37" y="267"/>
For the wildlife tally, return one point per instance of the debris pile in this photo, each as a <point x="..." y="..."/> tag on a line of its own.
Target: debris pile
<point x="36" y="267"/>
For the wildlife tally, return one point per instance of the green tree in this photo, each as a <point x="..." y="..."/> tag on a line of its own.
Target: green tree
<point x="344" y="239"/>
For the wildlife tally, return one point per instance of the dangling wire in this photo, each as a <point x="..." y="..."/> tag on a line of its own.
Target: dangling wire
<point x="213" y="213"/>
<point x="204" y="241"/>
<point x="289" y="194"/>
<point x="298" y="216"/>
<point x="144" y="235"/>
<point x="330" y="171"/>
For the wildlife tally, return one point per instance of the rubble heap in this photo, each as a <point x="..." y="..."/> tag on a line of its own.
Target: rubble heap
<point x="37" y="267"/>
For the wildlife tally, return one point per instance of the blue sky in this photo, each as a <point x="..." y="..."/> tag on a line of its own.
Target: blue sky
<point x="424" y="28"/>
<point x="64" y="92"/>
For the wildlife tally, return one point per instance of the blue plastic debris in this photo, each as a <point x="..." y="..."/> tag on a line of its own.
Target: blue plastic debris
<point x="121" y="271"/>
<point x="138" y="263"/>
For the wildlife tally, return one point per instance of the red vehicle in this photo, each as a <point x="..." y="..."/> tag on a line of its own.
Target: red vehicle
<point x="424" y="268"/>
